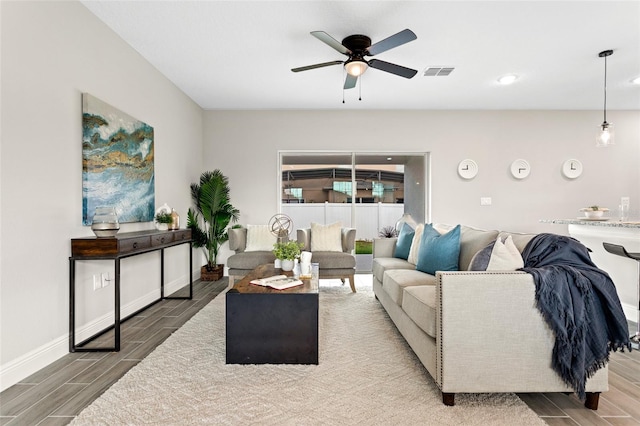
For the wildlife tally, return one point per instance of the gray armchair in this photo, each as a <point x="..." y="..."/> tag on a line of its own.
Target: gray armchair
<point x="334" y="264"/>
<point x="243" y="262"/>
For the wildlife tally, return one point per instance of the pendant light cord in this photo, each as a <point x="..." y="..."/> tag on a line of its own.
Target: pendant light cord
<point x="605" y="89"/>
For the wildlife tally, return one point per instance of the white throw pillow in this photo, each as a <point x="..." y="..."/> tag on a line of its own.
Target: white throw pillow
<point x="259" y="238"/>
<point x="326" y="237"/>
<point x="505" y="256"/>
<point x="415" y="245"/>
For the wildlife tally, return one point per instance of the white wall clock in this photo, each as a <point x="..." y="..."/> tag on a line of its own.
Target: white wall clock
<point x="520" y="169"/>
<point x="467" y="169"/>
<point x="572" y="168"/>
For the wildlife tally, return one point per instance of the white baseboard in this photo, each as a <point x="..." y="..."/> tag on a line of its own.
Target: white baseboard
<point x="20" y="368"/>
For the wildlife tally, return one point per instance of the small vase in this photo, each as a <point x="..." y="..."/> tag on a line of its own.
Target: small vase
<point x="277" y="263"/>
<point x="287" y="264"/>
<point x="105" y="222"/>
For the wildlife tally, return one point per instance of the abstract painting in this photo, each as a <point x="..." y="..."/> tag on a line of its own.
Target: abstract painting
<point x="117" y="163"/>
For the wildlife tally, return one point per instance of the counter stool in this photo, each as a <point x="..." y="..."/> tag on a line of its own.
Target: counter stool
<point x="621" y="251"/>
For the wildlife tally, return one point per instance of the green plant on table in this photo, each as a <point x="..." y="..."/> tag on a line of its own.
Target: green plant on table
<point x="164" y="217"/>
<point x="288" y="250"/>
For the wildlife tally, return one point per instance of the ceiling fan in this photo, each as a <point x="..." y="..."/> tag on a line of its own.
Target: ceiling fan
<point x="356" y="47"/>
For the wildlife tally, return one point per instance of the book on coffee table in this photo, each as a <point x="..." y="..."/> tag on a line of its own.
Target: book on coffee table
<point x="279" y="282"/>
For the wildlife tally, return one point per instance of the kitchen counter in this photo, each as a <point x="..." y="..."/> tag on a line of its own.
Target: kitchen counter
<point x="611" y="223"/>
<point x="623" y="271"/>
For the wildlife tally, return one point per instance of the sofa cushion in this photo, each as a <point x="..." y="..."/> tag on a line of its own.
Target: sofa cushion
<point x="520" y="240"/>
<point x="439" y="252"/>
<point x="419" y="303"/>
<point x="403" y="245"/>
<point x="381" y="264"/>
<point x="497" y="256"/>
<point x="259" y="238"/>
<point x="480" y="260"/>
<point x="505" y="256"/>
<point x="326" y="237"/>
<point x="472" y="240"/>
<point x="250" y="259"/>
<point x="396" y="280"/>
<point x="415" y="245"/>
<point x="337" y="260"/>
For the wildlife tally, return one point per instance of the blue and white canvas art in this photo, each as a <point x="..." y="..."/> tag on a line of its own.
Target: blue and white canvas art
<point x="117" y="163"/>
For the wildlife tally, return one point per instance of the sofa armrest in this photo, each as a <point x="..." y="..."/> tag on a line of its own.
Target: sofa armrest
<point x="237" y="239"/>
<point x="490" y="332"/>
<point x="384" y="247"/>
<point x="304" y="238"/>
<point x="348" y="239"/>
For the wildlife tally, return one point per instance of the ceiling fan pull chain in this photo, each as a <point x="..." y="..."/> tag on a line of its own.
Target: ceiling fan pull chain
<point x="360" y="89"/>
<point x="344" y="73"/>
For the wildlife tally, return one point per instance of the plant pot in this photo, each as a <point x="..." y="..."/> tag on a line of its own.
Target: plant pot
<point x="287" y="264"/>
<point x="213" y="274"/>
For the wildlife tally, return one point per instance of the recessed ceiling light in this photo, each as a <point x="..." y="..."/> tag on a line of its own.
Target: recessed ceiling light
<point x="389" y="158"/>
<point x="636" y="80"/>
<point x="507" y="79"/>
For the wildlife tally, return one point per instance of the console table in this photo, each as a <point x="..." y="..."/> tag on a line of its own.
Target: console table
<point x="116" y="248"/>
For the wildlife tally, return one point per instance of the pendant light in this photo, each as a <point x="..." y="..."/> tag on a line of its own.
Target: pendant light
<point x="605" y="130"/>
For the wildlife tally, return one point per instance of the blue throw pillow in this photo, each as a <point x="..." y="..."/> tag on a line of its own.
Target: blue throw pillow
<point x="439" y="252"/>
<point x="403" y="245"/>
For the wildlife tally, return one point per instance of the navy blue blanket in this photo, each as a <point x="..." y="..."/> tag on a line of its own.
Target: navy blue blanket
<point x="580" y="304"/>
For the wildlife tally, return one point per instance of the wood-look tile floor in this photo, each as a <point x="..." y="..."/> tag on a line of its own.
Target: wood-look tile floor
<point x="58" y="392"/>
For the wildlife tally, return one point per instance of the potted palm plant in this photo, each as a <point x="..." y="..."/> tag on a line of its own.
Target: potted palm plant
<point x="208" y="222"/>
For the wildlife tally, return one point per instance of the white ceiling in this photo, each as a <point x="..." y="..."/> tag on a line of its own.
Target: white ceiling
<point x="239" y="54"/>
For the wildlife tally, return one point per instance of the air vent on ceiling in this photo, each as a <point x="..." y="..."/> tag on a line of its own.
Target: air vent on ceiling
<point x="438" y="71"/>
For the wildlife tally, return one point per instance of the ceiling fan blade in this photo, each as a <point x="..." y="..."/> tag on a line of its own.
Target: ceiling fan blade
<point x="350" y="82"/>
<point x="312" y="67"/>
<point x="398" y="39"/>
<point x="392" y="68"/>
<point x="326" y="38"/>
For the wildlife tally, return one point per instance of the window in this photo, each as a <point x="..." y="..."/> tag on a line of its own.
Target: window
<point x="344" y="187"/>
<point x="365" y="190"/>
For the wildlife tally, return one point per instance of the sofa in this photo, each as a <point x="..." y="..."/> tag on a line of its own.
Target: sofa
<point x="474" y="331"/>
<point x="334" y="262"/>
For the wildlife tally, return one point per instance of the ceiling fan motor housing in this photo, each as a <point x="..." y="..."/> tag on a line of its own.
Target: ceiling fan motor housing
<point x="357" y="44"/>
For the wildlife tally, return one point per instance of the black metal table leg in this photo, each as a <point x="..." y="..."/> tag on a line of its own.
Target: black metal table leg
<point x="72" y="304"/>
<point x="162" y="274"/>
<point x="117" y="305"/>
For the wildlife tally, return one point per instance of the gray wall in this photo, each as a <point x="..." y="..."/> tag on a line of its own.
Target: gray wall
<point x="51" y="53"/>
<point x="244" y="145"/>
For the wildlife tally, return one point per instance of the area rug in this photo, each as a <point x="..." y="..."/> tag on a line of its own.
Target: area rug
<point x="366" y="375"/>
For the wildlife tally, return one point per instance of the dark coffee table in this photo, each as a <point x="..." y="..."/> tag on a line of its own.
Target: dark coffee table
<point x="268" y="326"/>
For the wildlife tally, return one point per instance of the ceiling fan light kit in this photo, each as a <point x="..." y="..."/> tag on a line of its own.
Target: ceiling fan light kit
<point x="507" y="79"/>
<point x="356" y="67"/>
<point x="356" y="47"/>
<point x="605" y="130"/>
